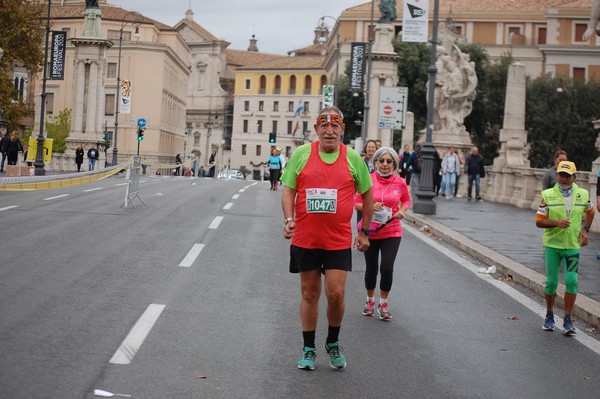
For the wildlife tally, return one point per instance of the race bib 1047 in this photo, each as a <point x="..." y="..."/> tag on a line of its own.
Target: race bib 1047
<point x="321" y="200"/>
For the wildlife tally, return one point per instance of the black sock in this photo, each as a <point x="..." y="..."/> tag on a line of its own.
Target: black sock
<point x="333" y="334"/>
<point x="549" y="313"/>
<point x="309" y="338"/>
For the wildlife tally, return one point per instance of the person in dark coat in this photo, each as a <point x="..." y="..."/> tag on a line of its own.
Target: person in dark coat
<point x="475" y="169"/>
<point x="3" y="144"/>
<point x="13" y="148"/>
<point x="79" y="157"/>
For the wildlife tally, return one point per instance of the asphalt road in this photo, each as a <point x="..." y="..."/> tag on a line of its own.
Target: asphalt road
<point x="144" y="301"/>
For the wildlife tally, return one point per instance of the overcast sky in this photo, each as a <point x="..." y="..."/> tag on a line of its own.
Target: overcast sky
<point x="279" y="26"/>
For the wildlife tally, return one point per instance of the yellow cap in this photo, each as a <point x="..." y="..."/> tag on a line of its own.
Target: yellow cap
<point x="566" y="167"/>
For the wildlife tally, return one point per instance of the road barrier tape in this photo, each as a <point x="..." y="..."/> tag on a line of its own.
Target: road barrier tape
<point x="29" y="183"/>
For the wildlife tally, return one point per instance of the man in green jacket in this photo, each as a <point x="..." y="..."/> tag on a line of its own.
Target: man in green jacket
<point x="561" y="213"/>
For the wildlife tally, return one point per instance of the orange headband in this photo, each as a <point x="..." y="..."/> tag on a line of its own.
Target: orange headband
<point x="330" y="118"/>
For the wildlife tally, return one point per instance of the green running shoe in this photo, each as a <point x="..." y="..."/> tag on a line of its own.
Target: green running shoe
<point x="337" y="360"/>
<point x="308" y="359"/>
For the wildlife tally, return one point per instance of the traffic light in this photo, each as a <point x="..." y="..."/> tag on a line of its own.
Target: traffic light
<point x="272" y="137"/>
<point x="141" y="133"/>
<point x="106" y="140"/>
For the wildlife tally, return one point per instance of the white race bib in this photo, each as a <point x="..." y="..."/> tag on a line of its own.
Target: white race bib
<point x="321" y="200"/>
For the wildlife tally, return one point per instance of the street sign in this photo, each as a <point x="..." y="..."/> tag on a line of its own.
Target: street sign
<point x="141" y="122"/>
<point x="392" y="107"/>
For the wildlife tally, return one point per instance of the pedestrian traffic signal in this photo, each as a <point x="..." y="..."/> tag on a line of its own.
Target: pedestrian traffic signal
<point x="141" y="133"/>
<point x="272" y="137"/>
<point x="106" y="140"/>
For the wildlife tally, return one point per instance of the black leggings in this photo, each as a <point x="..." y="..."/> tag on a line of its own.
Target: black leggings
<point x="274" y="176"/>
<point x="389" y="249"/>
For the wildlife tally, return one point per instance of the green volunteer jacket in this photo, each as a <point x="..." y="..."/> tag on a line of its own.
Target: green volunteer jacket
<point x="564" y="238"/>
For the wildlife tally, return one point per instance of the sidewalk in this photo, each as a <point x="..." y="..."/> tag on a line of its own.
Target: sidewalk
<point x="506" y="236"/>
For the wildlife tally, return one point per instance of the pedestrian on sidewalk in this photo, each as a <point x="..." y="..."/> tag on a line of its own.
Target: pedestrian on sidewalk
<point x="274" y="164"/>
<point x="79" y="157"/>
<point x="93" y="155"/>
<point x="391" y="199"/>
<point x="461" y="159"/>
<point x="3" y="147"/>
<point x="450" y="168"/>
<point x="562" y="210"/>
<point x="475" y="170"/>
<point x="13" y="148"/>
<point x="549" y="179"/>
<point x="318" y="201"/>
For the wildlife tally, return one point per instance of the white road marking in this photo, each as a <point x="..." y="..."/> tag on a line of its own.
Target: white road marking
<point x="137" y="335"/>
<point x="228" y="205"/>
<point x="92" y="189"/>
<point x="121" y="184"/>
<point x="530" y="304"/>
<point x="242" y="190"/>
<point x="235" y="196"/>
<point x="192" y="255"/>
<point x="58" y="196"/>
<point x="215" y="223"/>
<point x="6" y="208"/>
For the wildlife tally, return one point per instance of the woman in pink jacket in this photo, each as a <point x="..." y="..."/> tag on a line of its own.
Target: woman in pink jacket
<point x="391" y="199"/>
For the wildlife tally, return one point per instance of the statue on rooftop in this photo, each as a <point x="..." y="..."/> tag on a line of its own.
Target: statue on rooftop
<point x="388" y="11"/>
<point x="594" y="24"/>
<point x="91" y="4"/>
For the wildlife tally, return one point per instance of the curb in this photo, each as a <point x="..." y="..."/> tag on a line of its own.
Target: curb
<point x="585" y="308"/>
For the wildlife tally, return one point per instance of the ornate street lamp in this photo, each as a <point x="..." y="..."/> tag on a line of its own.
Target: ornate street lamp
<point x="137" y="22"/>
<point x="322" y="41"/>
<point x="188" y="132"/>
<point x="424" y="202"/>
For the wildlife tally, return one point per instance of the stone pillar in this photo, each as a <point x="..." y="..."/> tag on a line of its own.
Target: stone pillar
<point x="383" y="72"/>
<point x="90" y="117"/>
<point x="513" y="136"/>
<point x="79" y="83"/>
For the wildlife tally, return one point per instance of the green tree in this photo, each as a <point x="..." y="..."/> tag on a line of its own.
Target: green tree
<point x="562" y="110"/>
<point x="21" y="38"/>
<point x="58" y="128"/>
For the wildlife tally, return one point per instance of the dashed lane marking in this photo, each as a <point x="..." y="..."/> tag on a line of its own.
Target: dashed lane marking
<point x="137" y="335"/>
<point x="191" y="256"/>
<point x="56" y="197"/>
<point x="92" y="189"/>
<point x="242" y="190"/>
<point x="6" y="208"/>
<point x="235" y="196"/>
<point x="216" y="222"/>
<point x="228" y="205"/>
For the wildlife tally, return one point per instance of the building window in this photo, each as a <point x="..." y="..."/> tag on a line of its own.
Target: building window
<point x="245" y="128"/>
<point x="111" y="71"/>
<point x="109" y="104"/>
<point x="261" y="105"/>
<point x="263" y="85"/>
<point x="246" y="106"/>
<point x="292" y="85"/>
<point x="578" y="73"/>
<point x="259" y="126"/>
<point x="258" y="151"/>
<point x="290" y="126"/>
<point x="247" y="84"/>
<point x="304" y="127"/>
<point x="277" y="89"/>
<point x="276" y="106"/>
<point x="243" y="149"/>
<point x="291" y="106"/>
<point x="512" y="31"/>
<point x="458" y="29"/>
<point x="307" y="84"/>
<point x="579" y="30"/>
<point x="288" y="151"/>
<point x="306" y="108"/>
<point x="196" y="138"/>
<point x="274" y="130"/>
<point x="323" y="83"/>
<point x="20" y="76"/>
<point x="542" y="35"/>
<point x="50" y="103"/>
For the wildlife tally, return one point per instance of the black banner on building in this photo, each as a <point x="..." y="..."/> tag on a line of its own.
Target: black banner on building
<point x="57" y="58"/>
<point x="357" y="66"/>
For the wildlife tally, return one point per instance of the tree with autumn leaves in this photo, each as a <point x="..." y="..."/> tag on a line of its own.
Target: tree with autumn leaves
<point x="22" y="36"/>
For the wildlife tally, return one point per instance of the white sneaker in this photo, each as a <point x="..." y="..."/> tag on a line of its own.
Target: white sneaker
<point x="458" y="196"/>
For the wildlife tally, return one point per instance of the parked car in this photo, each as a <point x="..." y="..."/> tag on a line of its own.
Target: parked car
<point x="231" y="174"/>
